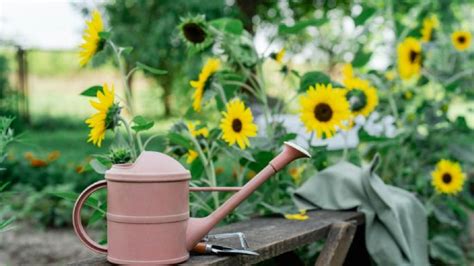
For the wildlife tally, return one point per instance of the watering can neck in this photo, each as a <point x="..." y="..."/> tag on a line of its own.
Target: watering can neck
<point x="199" y="227"/>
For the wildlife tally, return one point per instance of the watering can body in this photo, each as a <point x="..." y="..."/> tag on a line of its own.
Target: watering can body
<point x="148" y="209"/>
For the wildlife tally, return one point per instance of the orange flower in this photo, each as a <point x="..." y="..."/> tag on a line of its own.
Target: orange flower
<point x="219" y="170"/>
<point x="38" y="163"/>
<point x="54" y="155"/>
<point x="250" y="174"/>
<point x="79" y="169"/>
<point x="29" y="156"/>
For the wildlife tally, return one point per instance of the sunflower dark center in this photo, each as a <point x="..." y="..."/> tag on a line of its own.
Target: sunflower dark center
<point x="237" y="125"/>
<point x="357" y="99"/>
<point x="194" y="33"/>
<point x="323" y="112"/>
<point x="414" y="56"/>
<point x="461" y="39"/>
<point x="446" y="178"/>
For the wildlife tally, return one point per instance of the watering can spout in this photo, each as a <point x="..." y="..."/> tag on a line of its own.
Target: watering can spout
<point x="199" y="227"/>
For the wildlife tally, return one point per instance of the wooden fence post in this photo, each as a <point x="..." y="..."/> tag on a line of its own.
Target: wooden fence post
<point x="22" y="61"/>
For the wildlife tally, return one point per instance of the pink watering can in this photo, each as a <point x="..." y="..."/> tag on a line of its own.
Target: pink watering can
<point x="148" y="208"/>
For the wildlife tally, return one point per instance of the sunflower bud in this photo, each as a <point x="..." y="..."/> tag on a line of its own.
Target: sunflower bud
<point x="195" y="32"/>
<point x="120" y="155"/>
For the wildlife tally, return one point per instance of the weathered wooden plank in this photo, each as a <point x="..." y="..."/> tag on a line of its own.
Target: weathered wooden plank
<point x="337" y="244"/>
<point x="269" y="236"/>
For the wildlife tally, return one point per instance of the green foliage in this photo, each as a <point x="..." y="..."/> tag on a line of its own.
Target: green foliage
<point x="92" y="91"/>
<point x="142" y="124"/>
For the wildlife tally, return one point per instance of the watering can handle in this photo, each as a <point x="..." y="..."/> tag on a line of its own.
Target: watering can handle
<point x="76" y="218"/>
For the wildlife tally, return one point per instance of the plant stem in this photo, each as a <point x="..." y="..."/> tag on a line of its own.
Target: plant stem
<point x="130" y="137"/>
<point x="139" y="142"/>
<point x="221" y="92"/>
<point x="149" y="139"/>
<point x="124" y="77"/>
<point x="459" y="75"/>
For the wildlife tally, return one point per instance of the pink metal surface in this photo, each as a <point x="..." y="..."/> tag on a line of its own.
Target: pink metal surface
<point x="148" y="210"/>
<point x="219" y="189"/>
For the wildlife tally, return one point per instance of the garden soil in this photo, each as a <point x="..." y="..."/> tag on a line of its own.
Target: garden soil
<point x="26" y="246"/>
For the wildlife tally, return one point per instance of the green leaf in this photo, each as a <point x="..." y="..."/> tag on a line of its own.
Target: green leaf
<point x="141" y="124"/>
<point x="366" y="13"/>
<point x="262" y="159"/>
<point x="301" y="25"/>
<point x="423" y="80"/>
<point x="445" y="248"/>
<point x="95" y="217"/>
<point x="361" y="58"/>
<point x="288" y="137"/>
<point x="72" y="196"/>
<point x="236" y="152"/>
<point x="229" y="25"/>
<point x="451" y="87"/>
<point x="365" y="137"/>
<point x="5" y="185"/>
<point x="445" y="216"/>
<point x="98" y="166"/>
<point x="180" y="140"/>
<point x="151" y="69"/>
<point x="92" y="91"/>
<point x="104" y="35"/>
<point x="196" y="168"/>
<point x="126" y="50"/>
<point x="4" y="226"/>
<point x="311" y="78"/>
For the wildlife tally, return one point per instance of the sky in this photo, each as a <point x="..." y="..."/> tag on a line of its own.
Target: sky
<point x="42" y="24"/>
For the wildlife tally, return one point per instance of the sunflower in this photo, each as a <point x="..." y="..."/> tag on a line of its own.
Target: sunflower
<point x="324" y="109"/>
<point x="105" y="118"/>
<point x="202" y="131"/>
<point x="279" y="56"/>
<point x="93" y="43"/>
<point x="448" y="177"/>
<point x="237" y="124"/>
<point x="212" y="66"/>
<point x="429" y="24"/>
<point x="409" y="58"/>
<point x="194" y="31"/>
<point x="191" y="156"/>
<point x="461" y="40"/>
<point x="361" y="96"/>
<point x="347" y="72"/>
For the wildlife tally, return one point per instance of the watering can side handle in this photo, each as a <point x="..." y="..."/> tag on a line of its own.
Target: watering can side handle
<point x="76" y="218"/>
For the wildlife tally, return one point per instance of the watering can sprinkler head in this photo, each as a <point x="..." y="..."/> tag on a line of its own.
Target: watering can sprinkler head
<point x="290" y="153"/>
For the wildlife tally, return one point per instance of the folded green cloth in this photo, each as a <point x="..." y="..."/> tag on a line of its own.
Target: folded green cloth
<point x="395" y="221"/>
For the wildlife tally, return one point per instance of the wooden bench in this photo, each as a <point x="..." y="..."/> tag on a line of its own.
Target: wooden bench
<point x="277" y="238"/>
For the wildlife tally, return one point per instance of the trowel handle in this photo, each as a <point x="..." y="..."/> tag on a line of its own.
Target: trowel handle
<point x="76" y="218"/>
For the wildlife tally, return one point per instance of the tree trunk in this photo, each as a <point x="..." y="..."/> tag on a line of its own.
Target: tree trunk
<point x="167" y="84"/>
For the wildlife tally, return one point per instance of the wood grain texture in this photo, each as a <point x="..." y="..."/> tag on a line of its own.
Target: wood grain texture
<point x="337" y="244"/>
<point x="269" y="236"/>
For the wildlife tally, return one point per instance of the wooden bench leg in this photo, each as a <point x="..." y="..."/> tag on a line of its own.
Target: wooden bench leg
<point x="337" y="244"/>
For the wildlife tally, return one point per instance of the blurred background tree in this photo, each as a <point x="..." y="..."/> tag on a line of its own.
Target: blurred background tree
<point x="151" y="25"/>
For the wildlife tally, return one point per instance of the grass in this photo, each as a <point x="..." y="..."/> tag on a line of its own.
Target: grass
<point x="70" y="142"/>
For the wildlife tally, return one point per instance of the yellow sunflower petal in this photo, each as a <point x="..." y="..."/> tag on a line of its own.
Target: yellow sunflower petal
<point x="237" y="124"/>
